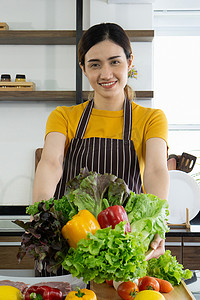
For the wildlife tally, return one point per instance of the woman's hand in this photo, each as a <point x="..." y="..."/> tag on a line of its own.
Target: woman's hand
<point x="158" y="245"/>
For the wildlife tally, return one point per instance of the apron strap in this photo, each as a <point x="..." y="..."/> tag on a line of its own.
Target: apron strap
<point x="127" y="120"/>
<point x="82" y="125"/>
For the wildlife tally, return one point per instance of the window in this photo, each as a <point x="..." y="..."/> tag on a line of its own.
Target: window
<point x="177" y="81"/>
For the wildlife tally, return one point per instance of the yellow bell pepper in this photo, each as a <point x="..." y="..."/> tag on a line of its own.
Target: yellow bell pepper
<point x="84" y="294"/>
<point x="10" y="293"/>
<point x="78" y="228"/>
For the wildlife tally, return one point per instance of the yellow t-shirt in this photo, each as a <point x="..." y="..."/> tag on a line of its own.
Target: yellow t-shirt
<point x="146" y="123"/>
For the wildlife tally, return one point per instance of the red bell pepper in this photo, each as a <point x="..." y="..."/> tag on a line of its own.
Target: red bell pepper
<point x="113" y="215"/>
<point x="43" y="293"/>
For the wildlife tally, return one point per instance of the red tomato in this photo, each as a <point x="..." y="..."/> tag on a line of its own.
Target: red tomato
<point x="127" y="290"/>
<point x="148" y="283"/>
<point x="109" y="282"/>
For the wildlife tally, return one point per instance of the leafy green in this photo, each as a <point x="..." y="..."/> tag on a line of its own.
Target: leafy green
<point x="33" y="209"/>
<point x="109" y="254"/>
<point x="63" y="205"/>
<point x="43" y="240"/>
<point x="67" y="208"/>
<point x="147" y="214"/>
<point x="88" y="189"/>
<point x="166" y="267"/>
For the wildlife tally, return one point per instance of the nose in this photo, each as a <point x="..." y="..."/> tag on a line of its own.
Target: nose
<point x="106" y="72"/>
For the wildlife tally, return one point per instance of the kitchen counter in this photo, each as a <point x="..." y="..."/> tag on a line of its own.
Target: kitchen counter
<point x="194" y="231"/>
<point x="13" y="212"/>
<point x="9" y="214"/>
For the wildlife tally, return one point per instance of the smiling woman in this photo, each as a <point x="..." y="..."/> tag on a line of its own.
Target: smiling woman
<point x="109" y="133"/>
<point x="106" y="68"/>
<point x="105" y="53"/>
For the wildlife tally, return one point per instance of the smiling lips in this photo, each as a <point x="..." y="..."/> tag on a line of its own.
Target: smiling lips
<point x="108" y="84"/>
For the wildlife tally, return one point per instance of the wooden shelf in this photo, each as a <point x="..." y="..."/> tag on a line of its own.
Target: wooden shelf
<point x="62" y="96"/>
<point x="144" y="94"/>
<point x="140" y="35"/>
<point x="38" y="37"/>
<point x="59" y="37"/>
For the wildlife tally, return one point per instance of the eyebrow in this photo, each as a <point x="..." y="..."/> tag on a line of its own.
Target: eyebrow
<point x="110" y="58"/>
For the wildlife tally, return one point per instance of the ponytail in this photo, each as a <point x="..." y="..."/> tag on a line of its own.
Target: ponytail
<point x="129" y="93"/>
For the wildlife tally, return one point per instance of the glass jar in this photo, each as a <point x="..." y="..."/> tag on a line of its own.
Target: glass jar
<point x="20" y="78"/>
<point x="5" y="77"/>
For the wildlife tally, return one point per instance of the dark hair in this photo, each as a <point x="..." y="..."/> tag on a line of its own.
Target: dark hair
<point x="99" y="33"/>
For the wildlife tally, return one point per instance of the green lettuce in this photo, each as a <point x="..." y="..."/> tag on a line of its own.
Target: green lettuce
<point x="166" y="267"/>
<point x="94" y="191"/>
<point x="147" y="214"/>
<point x="109" y="254"/>
<point x="63" y="205"/>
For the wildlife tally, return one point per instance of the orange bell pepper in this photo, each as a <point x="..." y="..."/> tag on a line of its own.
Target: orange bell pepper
<point x="78" y="228"/>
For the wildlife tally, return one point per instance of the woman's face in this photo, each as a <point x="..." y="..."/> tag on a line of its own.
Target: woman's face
<point x="106" y="68"/>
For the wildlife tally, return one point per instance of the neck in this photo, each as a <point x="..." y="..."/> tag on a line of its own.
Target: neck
<point x="113" y="104"/>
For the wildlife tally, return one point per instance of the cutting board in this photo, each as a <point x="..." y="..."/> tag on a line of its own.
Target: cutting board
<point x="106" y="292"/>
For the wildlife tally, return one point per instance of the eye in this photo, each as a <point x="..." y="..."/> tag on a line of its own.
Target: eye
<point x="115" y="62"/>
<point x="94" y="65"/>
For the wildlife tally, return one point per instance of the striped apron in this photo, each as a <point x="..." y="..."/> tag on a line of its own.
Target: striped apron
<point x="103" y="155"/>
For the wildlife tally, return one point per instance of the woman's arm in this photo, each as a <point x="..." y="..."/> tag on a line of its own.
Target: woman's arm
<point x="49" y="169"/>
<point x="156" y="176"/>
<point x="156" y="180"/>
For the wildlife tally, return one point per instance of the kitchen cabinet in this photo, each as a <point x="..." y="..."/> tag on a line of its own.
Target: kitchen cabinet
<point x="174" y="245"/>
<point x="185" y="245"/>
<point x="191" y="253"/>
<point x="9" y="246"/>
<point x="10" y="238"/>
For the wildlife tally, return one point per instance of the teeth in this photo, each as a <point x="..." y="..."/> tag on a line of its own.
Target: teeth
<point x="107" y="84"/>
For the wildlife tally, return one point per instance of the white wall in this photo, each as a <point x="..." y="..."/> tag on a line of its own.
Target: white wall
<point x="130" y="16"/>
<point x="51" y="68"/>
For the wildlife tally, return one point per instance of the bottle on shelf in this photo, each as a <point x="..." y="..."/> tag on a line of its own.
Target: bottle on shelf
<point x="20" y="78"/>
<point x="5" y="77"/>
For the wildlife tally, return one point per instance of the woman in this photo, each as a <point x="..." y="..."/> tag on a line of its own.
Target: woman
<point x="110" y="133"/>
